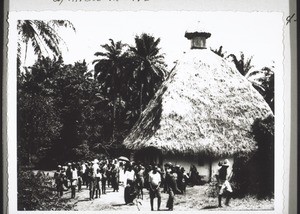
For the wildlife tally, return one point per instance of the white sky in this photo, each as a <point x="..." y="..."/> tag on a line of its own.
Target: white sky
<point x="257" y="34"/>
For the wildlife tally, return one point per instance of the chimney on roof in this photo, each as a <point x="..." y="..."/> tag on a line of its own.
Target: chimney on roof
<point x="198" y="37"/>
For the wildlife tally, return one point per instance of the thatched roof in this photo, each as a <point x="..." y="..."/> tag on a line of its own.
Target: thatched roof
<point x="205" y="106"/>
<point x="191" y="35"/>
<point x="197" y="29"/>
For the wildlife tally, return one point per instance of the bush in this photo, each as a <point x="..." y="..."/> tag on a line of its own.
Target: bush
<point x="37" y="192"/>
<point x="254" y="174"/>
<point x="212" y="189"/>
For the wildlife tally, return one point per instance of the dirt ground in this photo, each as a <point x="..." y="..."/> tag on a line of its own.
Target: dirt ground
<point x="193" y="200"/>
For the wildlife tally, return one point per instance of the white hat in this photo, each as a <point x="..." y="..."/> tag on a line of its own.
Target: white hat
<point x="226" y="163"/>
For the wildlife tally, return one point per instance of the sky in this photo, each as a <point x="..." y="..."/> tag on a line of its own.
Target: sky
<point x="257" y="34"/>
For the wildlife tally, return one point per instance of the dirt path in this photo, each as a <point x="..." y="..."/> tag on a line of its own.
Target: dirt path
<point x="115" y="201"/>
<point x="193" y="200"/>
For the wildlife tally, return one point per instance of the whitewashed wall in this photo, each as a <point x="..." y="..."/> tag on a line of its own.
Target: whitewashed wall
<point x="203" y="169"/>
<point x="186" y="162"/>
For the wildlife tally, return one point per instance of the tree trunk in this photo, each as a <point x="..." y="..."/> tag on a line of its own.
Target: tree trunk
<point x="26" y="47"/>
<point x="141" y="99"/>
<point x="114" y="108"/>
<point x="210" y="170"/>
<point x="113" y="119"/>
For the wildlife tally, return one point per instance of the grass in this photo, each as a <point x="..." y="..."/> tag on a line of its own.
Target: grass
<point x="36" y="191"/>
<point x="196" y="199"/>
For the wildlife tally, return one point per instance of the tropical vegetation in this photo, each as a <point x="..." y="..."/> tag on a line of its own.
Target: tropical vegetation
<point x="67" y="112"/>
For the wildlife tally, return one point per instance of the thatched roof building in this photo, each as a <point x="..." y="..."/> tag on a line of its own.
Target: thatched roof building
<point x="205" y="107"/>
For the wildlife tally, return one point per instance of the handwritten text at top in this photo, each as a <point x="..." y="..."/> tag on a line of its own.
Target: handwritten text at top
<point x="74" y="1"/>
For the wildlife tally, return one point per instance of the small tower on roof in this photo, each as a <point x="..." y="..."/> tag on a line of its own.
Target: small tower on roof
<point x="198" y="36"/>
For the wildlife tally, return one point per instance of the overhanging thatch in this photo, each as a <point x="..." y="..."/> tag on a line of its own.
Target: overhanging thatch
<point x="206" y="106"/>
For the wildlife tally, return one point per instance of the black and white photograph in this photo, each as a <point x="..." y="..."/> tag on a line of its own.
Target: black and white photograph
<point x="147" y="111"/>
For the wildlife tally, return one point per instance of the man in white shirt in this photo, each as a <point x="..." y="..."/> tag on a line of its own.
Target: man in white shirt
<point x="129" y="193"/>
<point x="95" y="167"/>
<point x="129" y="175"/>
<point x="74" y="177"/>
<point x="154" y="187"/>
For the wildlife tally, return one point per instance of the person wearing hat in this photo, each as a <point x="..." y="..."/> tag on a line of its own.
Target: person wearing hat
<point x="154" y="187"/>
<point x="223" y="183"/>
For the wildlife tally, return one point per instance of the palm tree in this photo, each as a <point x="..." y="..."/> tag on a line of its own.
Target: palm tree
<point x="263" y="81"/>
<point x="219" y="51"/>
<point x="108" y="71"/>
<point x="149" y="66"/>
<point x="41" y="35"/>
<point x="243" y="65"/>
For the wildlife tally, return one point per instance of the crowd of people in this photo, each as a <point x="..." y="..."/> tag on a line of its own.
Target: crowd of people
<point x="98" y="175"/>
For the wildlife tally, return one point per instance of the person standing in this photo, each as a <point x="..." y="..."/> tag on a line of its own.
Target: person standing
<point x="223" y="183"/>
<point x="79" y="172"/>
<point x="184" y="179"/>
<point x="92" y="177"/>
<point x="140" y="180"/>
<point x="83" y="173"/>
<point x="173" y="179"/>
<point x="115" y="177"/>
<point x="69" y="175"/>
<point x="193" y="175"/>
<point x="58" y="176"/>
<point x="170" y="185"/>
<point x="122" y="174"/>
<point x="129" y="191"/>
<point x="170" y="202"/>
<point x="108" y="172"/>
<point x="64" y="177"/>
<point x="179" y="181"/>
<point x="167" y="177"/>
<point x="74" y="180"/>
<point x="91" y="180"/>
<point x="104" y="178"/>
<point x="154" y="187"/>
<point x="98" y="183"/>
<point x="130" y="175"/>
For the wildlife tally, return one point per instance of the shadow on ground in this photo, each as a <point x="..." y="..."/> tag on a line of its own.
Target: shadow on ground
<point x="210" y="207"/>
<point x="118" y="205"/>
